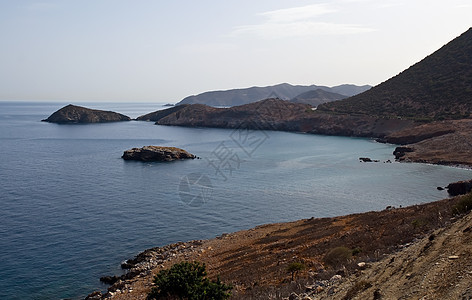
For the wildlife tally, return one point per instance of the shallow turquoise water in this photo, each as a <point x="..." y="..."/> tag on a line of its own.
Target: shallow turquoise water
<point x="72" y="209"/>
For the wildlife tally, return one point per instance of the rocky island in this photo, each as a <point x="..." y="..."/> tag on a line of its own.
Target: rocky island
<point x="157" y="153"/>
<point x="72" y="114"/>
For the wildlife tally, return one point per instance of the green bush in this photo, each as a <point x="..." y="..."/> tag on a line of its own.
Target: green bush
<point x="294" y="268"/>
<point x="187" y="280"/>
<point x="356" y="251"/>
<point x="420" y="223"/>
<point x="463" y="205"/>
<point x="337" y="256"/>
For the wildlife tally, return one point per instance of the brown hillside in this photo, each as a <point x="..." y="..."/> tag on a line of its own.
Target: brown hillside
<point x="255" y="261"/>
<point x="438" y="87"/>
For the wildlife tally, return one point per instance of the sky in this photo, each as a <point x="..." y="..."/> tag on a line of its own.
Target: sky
<point x="163" y="51"/>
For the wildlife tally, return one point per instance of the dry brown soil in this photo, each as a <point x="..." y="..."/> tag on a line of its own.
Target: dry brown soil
<point x="255" y="261"/>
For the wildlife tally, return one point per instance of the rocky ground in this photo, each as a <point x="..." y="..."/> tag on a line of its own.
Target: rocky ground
<point x="438" y="266"/>
<point x="446" y="143"/>
<point x="395" y="254"/>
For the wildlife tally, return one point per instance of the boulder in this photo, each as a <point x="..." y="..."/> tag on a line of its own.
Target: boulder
<point x="367" y="159"/>
<point x="459" y="188"/>
<point x="399" y="152"/>
<point x="72" y="114"/>
<point x="94" y="296"/>
<point x="109" y="279"/>
<point x="156" y="153"/>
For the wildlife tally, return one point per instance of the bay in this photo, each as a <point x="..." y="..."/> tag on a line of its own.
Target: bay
<point x="72" y="209"/>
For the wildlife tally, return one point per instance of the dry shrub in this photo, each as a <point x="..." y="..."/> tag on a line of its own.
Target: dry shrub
<point x="338" y="256"/>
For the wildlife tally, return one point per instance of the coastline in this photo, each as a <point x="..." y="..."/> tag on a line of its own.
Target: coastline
<point x="138" y="281"/>
<point x="261" y="254"/>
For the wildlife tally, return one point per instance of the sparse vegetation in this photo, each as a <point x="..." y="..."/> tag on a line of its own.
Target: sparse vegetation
<point x="420" y="223"/>
<point x="338" y="256"/>
<point x="464" y="204"/>
<point x="187" y="280"/>
<point x="294" y="268"/>
<point x="356" y="251"/>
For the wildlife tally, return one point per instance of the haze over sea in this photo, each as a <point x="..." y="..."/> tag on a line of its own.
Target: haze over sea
<point x="73" y="210"/>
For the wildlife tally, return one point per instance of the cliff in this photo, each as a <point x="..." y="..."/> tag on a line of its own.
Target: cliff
<point x="72" y="114"/>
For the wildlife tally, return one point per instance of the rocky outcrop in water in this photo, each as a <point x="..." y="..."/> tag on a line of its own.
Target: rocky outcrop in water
<point x="459" y="188"/>
<point x="72" y="114"/>
<point x="156" y="153"/>
<point x="400" y="152"/>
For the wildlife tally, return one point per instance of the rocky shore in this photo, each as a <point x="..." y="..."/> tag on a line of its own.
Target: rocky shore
<point x="256" y="261"/>
<point x="445" y="143"/>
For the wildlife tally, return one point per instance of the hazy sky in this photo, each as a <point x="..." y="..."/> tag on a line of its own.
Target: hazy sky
<point x="164" y="50"/>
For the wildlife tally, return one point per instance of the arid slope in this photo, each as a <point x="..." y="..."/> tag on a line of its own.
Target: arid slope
<point x="255" y="261"/>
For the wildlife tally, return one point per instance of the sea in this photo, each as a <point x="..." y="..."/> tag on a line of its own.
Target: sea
<point x="72" y="209"/>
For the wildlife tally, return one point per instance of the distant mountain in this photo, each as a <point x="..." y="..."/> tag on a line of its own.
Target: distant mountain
<point x="349" y="89"/>
<point x="317" y="97"/>
<point x="437" y="88"/>
<point x="283" y="91"/>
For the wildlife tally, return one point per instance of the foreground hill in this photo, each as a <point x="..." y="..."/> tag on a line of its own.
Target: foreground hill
<point x="72" y="114"/>
<point x="437" y="267"/>
<point x="283" y="91"/>
<point x="437" y="88"/>
<point x="256" y="261"/>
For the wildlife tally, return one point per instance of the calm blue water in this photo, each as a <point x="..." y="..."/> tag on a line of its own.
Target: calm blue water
<point x="72" y="209"/>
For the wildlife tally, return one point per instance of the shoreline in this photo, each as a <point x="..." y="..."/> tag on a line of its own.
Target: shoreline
<point x="231" y="255"/>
